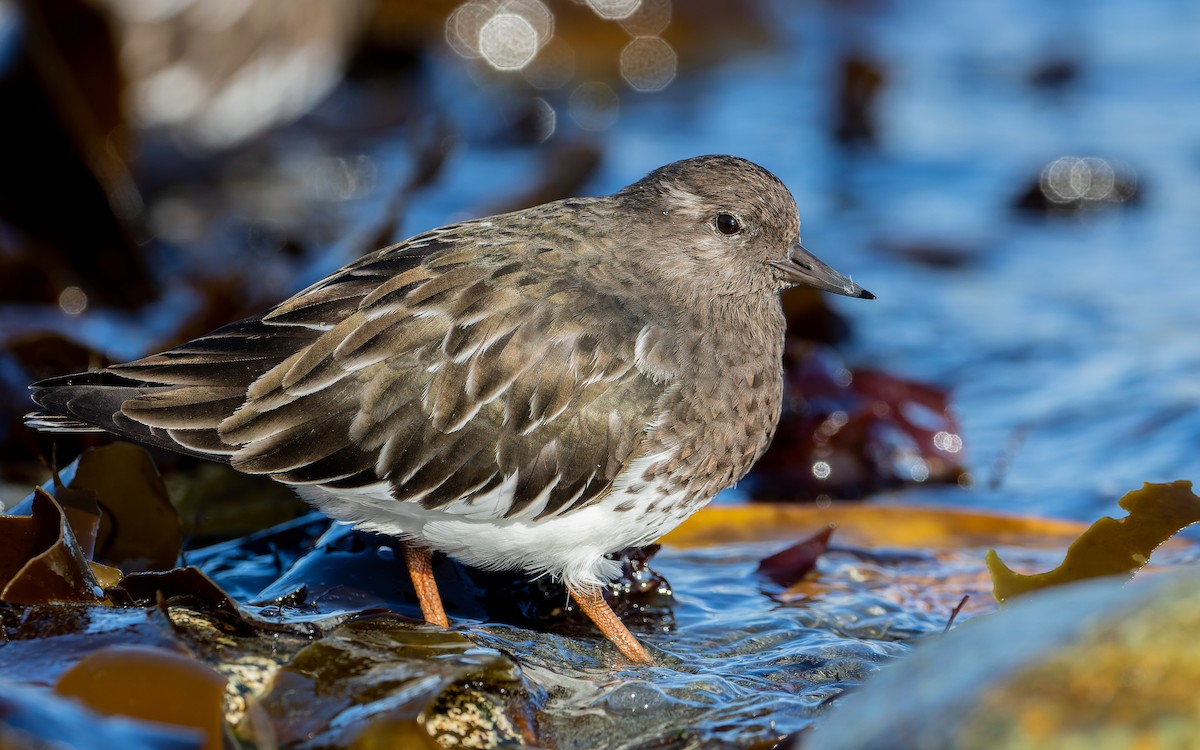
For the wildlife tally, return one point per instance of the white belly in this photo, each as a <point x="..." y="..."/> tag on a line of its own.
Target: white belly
<point x="569" y="547"/>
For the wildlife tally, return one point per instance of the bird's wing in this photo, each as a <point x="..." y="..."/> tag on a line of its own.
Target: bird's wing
<point x="444" y="374"/>
<point x="185" y="392"/>
<point x="189" y="390"/>
<point x="452" y="377"/>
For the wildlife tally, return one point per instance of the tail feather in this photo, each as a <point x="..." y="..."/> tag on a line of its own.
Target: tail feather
<point x="95" y="401"/>
<point x="44" y="421"/>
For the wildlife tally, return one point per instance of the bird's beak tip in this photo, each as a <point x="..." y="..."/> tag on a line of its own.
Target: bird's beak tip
<point x="803" y="268"/>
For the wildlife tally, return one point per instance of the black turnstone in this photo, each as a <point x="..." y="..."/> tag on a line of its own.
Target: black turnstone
<point x="531" y="391"/>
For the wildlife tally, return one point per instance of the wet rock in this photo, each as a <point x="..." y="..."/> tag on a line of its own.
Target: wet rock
<point x="1056" y="73"/>
<point x="860" y="82"/>
<point x="1073" y="185"/>
<point x="1095" y="664"/>
<point x="35" y="718"/>
<point x="847" y="433"/>
<point x="151" y="684"/>
<point x="67" y="221"/>
<point x="383" y="681"/>
<point x="936" y="254"/>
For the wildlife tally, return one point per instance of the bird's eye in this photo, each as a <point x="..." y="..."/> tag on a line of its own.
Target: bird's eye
<point x="727" y="224"/>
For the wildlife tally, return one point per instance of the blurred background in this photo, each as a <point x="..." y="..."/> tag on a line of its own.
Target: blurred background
<point x="1016" y="181"/>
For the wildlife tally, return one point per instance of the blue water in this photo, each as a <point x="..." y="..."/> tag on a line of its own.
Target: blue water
<point x="1069" y="343"/>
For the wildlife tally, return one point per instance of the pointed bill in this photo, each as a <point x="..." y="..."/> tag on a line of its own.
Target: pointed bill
<point x="802" y="267"/>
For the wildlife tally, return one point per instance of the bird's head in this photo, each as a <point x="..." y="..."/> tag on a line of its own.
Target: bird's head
<point x="729" y="225"/>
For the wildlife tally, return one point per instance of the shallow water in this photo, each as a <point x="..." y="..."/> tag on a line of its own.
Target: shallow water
<point x="1069" y="342"/>
<point x="739" y="660"/>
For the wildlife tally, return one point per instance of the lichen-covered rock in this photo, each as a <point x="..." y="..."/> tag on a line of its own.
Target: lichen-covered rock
<point x="1094" y="664"/>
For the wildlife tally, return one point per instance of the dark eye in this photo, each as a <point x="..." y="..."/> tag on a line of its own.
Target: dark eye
<point x="727" y="224"/>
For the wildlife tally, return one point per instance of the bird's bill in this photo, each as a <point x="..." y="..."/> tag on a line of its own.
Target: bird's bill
<point x="802" y="267"/>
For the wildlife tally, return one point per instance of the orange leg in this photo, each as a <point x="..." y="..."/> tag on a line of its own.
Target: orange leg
<point x="420" y="567"/>
<point x="592" y="603"/>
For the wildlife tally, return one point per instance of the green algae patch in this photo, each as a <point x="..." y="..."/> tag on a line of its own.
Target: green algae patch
<point x="1111" y="546"/>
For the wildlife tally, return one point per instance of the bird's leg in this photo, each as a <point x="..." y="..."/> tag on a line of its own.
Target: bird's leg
<point x="591" y="601"/>
<point x="420" y="566"/>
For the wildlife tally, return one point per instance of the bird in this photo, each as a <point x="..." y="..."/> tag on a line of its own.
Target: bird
<point x="531" y="391"/>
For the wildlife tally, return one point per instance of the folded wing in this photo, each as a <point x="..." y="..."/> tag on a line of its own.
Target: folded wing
<point x="431" y="366"/>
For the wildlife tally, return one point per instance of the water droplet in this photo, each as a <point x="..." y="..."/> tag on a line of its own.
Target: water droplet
<point x="73" y="300"/>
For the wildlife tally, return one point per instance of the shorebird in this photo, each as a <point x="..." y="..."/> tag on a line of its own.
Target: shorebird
<point x="531" y="391"/>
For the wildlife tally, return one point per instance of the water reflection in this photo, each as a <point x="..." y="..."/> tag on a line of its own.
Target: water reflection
<point x="1072" y="179"/>
<point x="554" y="66"/>
<point x="508" y="41"/>
<point x="648" y="64"/>
<point x="546" y="120"/>
<point x="73" y="300"/>
<point x="518" y="35"/>
<point x="506" y="34"/>
<point x="650" y="19"/>
<point x="614" y="9"/>
<point x="947" y="441"/>
<point x="594" y="105"/>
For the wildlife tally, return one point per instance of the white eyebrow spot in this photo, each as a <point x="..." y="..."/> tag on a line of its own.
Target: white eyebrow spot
<point x="684" y="199"/>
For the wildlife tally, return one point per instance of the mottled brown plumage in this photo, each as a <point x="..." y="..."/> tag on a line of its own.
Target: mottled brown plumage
<point x="530" y="390"/>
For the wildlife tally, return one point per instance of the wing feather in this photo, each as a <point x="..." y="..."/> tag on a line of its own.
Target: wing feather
<point x="438" y="365"/>
<point x="190" y="407"/>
